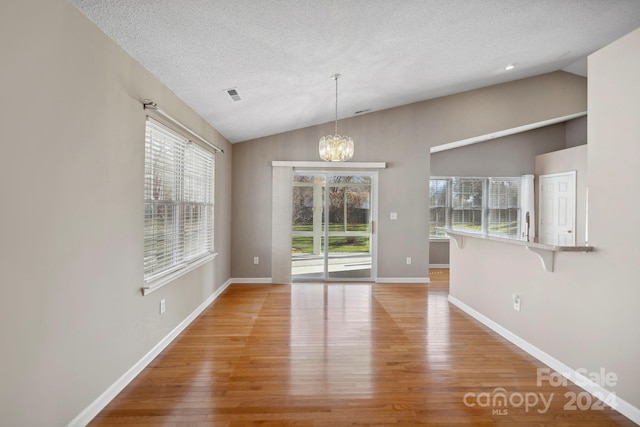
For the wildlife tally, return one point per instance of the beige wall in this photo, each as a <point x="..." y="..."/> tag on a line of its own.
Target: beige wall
<point x="72" y="317"/>
<point x="401" y="137"/>
<point x="584" y="314"/>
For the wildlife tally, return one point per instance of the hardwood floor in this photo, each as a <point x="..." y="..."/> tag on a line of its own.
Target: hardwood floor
<point x="345" y="354"/>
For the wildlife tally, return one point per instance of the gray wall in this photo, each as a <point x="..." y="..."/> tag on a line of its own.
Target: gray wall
<point x="402" y="137"/>
<point x="512" y="155"/>
<point x="576" y="132"/>
<point x="439" y="253"/>
<point x="584" y="314"/>
<point x="72" y="317"/>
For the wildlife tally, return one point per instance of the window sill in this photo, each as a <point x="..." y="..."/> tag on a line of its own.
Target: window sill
<point x="156" y="284"/>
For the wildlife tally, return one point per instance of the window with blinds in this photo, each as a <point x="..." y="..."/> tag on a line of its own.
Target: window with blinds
<point x="477" y="204"/>
<point x="467" y="203"/>
<point x="504" y="206"/>
<point x="178" y="206"/>
<point x="438" y="206"/>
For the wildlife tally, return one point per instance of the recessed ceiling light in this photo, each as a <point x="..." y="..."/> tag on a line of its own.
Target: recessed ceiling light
<point x="509" y="67"/>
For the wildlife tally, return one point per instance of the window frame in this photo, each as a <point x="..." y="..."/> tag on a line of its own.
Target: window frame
<point x="472" y="207"/>
<point x="485" y="210"/>
<point x="187" y="163"/>
<point x="517" y="206"/>
<point x="445" y="207"/>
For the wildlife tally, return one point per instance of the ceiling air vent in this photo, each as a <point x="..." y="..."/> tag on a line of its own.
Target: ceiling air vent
<point x="233" y="93"/>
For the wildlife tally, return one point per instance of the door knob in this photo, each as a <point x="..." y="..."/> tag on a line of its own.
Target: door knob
<point x="569" y="231"/>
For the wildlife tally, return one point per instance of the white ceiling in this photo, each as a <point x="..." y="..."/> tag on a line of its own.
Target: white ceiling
<point x="280" y="54"/>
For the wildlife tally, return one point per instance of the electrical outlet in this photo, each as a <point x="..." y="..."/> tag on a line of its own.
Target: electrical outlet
<point x="408" y="260"/>
<point x="516" y="302"/>
<point x="162" y="306"/>
<point x="256" y="260"/>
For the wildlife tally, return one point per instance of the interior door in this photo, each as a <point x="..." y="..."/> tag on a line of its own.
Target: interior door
<point x="333" y="221"/>
<point x="557" y="194"/>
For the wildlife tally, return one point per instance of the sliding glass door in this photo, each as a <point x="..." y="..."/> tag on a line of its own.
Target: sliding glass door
<point x="332" y="226"/>
<point x="308" y="233"/>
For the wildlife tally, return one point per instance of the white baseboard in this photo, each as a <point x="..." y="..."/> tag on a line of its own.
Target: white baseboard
<point x="84" y="417"/>
<point x="620" y="405"/>
<point x="438" y="265"/>
<point x="422" y="280"/>
<point x="261" y="280"/>
<point x="251" y="280"/>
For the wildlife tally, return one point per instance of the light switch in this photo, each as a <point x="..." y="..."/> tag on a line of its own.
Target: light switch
<point x="393" y="215"/>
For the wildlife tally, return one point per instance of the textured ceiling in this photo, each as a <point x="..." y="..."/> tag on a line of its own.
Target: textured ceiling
<point x="279" y="54"/>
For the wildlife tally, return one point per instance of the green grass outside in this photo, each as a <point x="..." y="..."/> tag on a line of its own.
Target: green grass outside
<point x="349" y="244"/>
<point x="504" y="227"/>
<point x="333" y="227"/>
<point x="471" y="227"/>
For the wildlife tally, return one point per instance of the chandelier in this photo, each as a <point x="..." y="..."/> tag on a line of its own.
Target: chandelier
<point x="336" y="148"/>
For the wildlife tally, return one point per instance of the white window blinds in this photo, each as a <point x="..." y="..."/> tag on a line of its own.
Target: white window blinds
<point x="504" y="206"/>
<point x="178" y="221"/>
<point x="467" y="203"/>
<point x="477" y="204"/>
<point x="438" y="207"/>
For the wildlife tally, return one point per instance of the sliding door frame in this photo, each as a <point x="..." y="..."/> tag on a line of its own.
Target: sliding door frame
<point x="281" y="209"/>
<point x="373" y="206"/>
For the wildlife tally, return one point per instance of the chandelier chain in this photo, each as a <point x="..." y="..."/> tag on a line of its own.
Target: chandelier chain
<point x="336" y="76"/>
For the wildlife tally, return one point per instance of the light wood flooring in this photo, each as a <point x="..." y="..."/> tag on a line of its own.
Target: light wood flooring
<point x="345" y="354"/>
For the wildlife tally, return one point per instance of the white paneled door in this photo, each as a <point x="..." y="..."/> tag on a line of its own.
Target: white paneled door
<point x="558" y="209"/>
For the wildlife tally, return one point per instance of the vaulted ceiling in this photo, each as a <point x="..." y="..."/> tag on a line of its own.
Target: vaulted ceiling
<point x="279" y="55"/>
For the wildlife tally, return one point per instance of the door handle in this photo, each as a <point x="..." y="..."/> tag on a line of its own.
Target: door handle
<point x="373" y="227"/>
<point x="569" y="231"/>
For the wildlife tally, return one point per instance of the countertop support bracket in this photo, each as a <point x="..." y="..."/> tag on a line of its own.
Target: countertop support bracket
<point x="459" y="239"/>
<point x="546" y="256"/>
